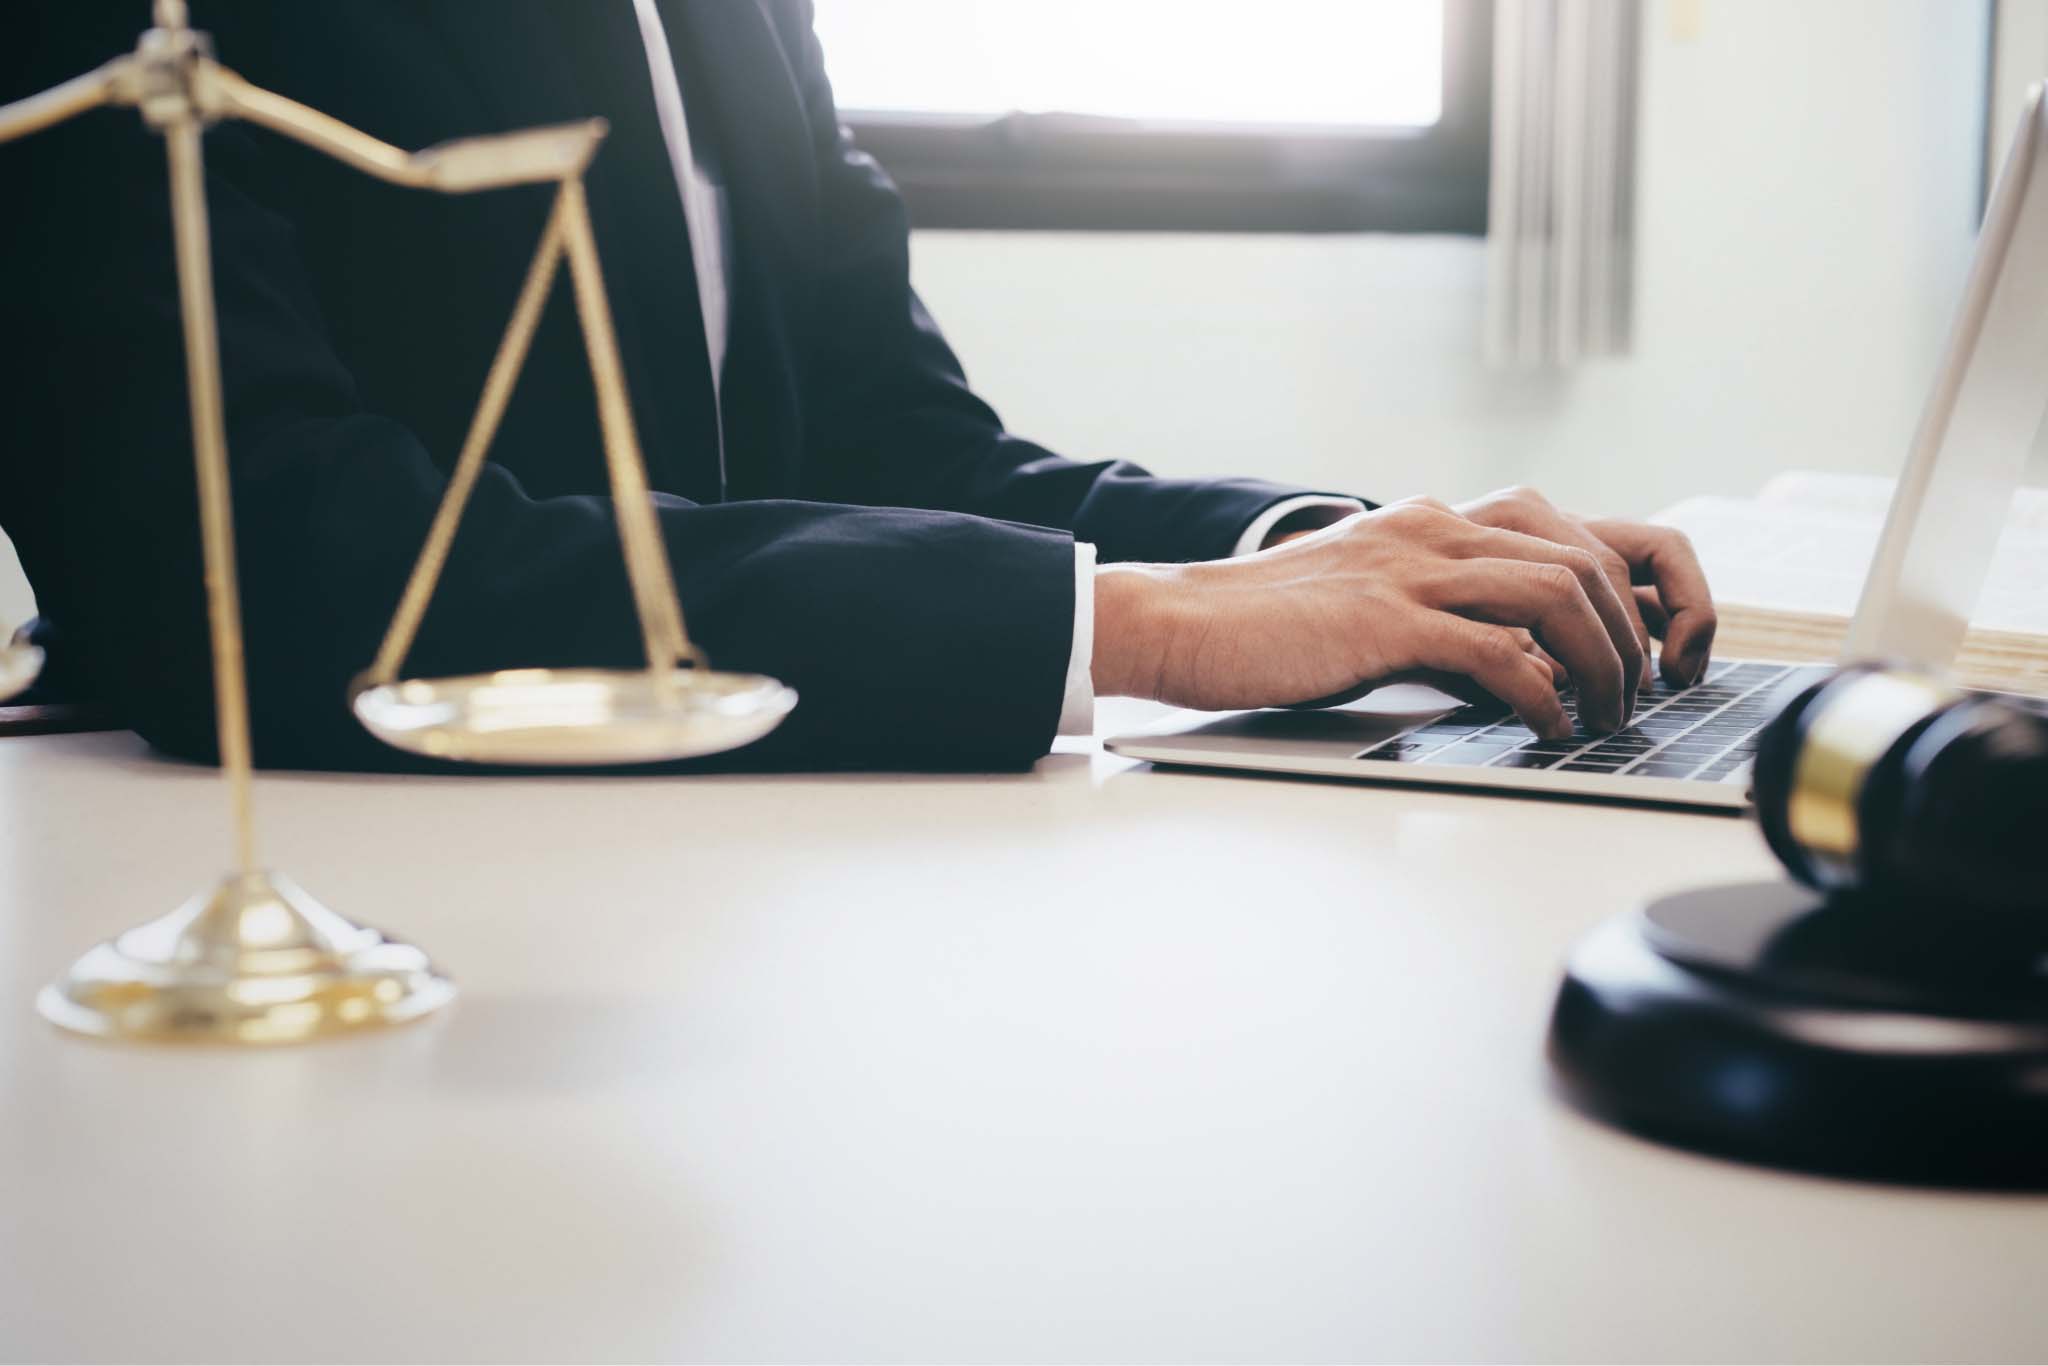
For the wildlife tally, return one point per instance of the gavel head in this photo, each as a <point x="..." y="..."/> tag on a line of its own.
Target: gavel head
<point x="1888" y="783"/>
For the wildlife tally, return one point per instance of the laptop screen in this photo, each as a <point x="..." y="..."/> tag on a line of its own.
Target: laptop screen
<point x="1971" y="447"/>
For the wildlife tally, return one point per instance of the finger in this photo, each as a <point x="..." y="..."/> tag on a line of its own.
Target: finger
<point x="1530" y="513"/>
<point x="1620" y="624"/>
<point x="1664" y="557"/>
<point x="1652" y="608"/>
<point x="1497" y="543"/>
<point x="1491" y="657"/>
<point x="1457" y="685"/>
<point x="1529" y="645"/>
<point x="1551" y="601"/>
<point x="1616" y="571"/>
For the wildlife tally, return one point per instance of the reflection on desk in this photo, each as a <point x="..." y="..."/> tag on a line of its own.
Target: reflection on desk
<point x="1089" y="1062"/>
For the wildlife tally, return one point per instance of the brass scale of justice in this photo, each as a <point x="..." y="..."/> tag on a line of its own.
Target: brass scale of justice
<point x="255" y="959"/>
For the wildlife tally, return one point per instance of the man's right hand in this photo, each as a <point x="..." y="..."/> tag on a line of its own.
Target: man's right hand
<point x="1413" y="591"/>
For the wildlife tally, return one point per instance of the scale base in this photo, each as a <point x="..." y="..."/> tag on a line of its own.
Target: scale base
<point x="1760" y="1021"/>
<point x="254" y="961"/>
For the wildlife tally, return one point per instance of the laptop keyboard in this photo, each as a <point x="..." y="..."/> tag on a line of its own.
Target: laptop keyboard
<point x="1707" y="732"/>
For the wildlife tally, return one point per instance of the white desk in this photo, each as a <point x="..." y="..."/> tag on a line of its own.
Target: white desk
<point x="1092" y="1062"/>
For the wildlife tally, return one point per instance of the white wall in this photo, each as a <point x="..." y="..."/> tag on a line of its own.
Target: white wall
<point x="1809" y="183"/>
<point x="1808" y="196"/>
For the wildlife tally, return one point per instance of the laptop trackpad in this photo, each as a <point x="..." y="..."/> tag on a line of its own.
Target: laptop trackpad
<point x="1336" y="730"/>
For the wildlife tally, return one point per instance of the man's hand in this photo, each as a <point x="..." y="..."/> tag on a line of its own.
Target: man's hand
<point x="1507" y="596"/>
<point x="1652" y="568"/>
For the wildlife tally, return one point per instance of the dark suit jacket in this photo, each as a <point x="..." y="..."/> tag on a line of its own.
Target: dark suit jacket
<point x="884" y="545"/>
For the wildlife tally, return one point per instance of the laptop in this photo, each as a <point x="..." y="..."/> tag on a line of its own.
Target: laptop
<point x="1692" y="746"/>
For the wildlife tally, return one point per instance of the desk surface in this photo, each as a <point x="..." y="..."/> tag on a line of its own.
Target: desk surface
<point x="1093" y="1062"/>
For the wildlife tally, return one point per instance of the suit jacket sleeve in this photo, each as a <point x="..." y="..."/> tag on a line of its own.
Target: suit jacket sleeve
<point x="884" y="620"/>
<point x="891" y="416"/>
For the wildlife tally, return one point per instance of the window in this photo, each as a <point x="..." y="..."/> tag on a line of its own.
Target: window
<point x="1244" y="115"/>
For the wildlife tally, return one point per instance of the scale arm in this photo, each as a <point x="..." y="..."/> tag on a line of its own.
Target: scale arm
<point x="34" y="113"/>
<point x="532" y="156"/>
<point x="528" y="157"/>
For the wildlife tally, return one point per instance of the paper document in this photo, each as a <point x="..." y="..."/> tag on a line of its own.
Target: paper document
<point x="1804" y="544"/>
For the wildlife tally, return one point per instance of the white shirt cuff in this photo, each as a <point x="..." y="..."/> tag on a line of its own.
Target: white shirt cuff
<point x="1077" y="704"/>
<point x="1255" y="535"/>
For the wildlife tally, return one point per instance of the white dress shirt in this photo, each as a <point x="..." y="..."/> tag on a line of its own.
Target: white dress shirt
<point x="709" y="220"/>
<point x="704" y="208"/>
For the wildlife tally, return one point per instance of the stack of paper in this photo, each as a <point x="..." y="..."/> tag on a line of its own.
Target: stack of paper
<point x="1787" y="568"/>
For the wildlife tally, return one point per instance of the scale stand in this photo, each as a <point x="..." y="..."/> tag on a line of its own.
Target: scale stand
<point x="256" y="959"/>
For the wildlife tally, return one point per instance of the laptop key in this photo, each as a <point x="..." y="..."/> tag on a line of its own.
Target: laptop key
<point x="1397" y="749"/>
<point x="1475" y="756"/>
<point x="1664" y="768"/>
<point x="1523" y="759"/>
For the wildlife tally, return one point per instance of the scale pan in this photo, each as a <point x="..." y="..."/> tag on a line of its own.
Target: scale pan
<point x="575" y="717"/>
<point x="20" y="662"/>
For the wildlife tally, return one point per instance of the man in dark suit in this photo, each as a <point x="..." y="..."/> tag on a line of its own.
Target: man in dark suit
<point x="840" y="509"/>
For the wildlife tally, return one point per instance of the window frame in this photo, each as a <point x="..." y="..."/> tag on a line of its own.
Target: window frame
<point x="1070" y="172"/>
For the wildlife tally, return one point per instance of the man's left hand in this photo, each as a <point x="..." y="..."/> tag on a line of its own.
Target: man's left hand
<point x="1653" y="569"/>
